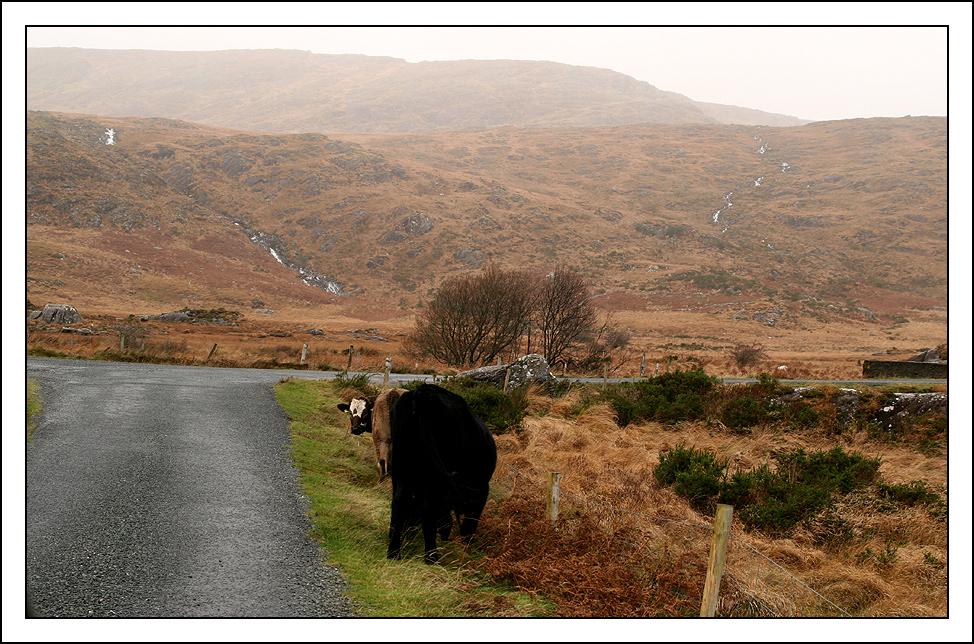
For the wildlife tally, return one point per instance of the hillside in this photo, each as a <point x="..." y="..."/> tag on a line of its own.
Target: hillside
<point x="792" y="232"/>
<point x="297" y="91"/>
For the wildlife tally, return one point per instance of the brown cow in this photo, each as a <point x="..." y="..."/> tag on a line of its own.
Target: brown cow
<point x="371" y="414"/>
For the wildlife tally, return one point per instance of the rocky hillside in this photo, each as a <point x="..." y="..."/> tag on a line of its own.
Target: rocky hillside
<point x="779" y="225"/>
<point x="297" y="91"/>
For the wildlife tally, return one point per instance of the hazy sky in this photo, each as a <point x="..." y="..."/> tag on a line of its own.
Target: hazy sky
<point x="818" y="73"/>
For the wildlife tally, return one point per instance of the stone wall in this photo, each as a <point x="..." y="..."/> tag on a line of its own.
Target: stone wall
<point x="892" y="369"/>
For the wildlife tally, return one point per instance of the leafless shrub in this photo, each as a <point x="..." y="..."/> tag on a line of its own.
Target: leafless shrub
<point x="746" y="355"/>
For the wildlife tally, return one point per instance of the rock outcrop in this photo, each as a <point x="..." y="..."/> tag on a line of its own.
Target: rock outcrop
<point x="905" y="406"/>
<point x="899" y="408"/>
<point x="530" y="368"/>
<point x="57" y="314"/>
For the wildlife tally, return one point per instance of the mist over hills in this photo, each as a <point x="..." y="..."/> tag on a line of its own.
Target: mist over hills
<point x="832" y="220"/>
<point x="279" y="91"/>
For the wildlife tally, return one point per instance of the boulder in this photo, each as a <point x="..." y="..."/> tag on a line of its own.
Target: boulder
<point x="59" y="314"/>
<point x="82" y="330"/>
<point x="904" y="406"/>
<point x="175" y="316"/>
<point x="930" y="355"/>
<point x="530" y="368"/>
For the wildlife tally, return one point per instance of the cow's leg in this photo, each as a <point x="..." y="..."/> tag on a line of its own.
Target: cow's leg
<point x="400" y="513"/>
<point x="473" y="508"/>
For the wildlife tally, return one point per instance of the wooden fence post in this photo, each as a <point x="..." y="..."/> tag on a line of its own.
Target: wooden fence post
<point x="715" y="565"/>
<point x="351" y="350"/>
<point x="507" y="379"/>
<point x="212" y="351"/>
<point x="385" y="375"/>
<point x="121" y="342"/>
<point x="553" y="496"/>
<point x="304" y="353"/>
<point x="642" y="367"/>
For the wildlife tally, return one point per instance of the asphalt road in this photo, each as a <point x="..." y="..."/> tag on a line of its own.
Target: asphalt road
<point x="164" y="491"/>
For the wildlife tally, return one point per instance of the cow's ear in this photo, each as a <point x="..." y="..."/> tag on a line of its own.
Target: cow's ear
<point x="344" y="407"/>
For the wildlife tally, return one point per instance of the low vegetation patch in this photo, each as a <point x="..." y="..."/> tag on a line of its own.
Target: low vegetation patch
<point x="577" y="564"/>
<point x="666" y="398"/>
<point x="349" y="509"/>
<point x="212" y="316"/>
<point x="772" y="500"/>
<point x="34" y="405"/>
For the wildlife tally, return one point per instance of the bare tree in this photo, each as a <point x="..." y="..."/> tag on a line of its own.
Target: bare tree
<point x="563" y="312"/>
<point x="746" y="355"/>
<point x="474" y="318"/>
<point x="604" y="346"/>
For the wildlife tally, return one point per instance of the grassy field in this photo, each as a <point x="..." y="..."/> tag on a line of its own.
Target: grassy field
<point x="874" y="544"/>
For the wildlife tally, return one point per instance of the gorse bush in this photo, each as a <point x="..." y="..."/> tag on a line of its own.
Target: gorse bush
<point x="913" y="493"/>
<point x="771" y="500"/>
<point x="666" y="398"/>
<point x="501" y="412"/>
<point x="744" y="412"/>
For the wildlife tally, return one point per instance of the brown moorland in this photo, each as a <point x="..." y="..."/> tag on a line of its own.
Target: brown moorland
<point x="833" y="248"/>
<point x="871" y="556"/>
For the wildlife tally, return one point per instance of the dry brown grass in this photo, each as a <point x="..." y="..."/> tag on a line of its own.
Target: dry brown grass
<point x="890" y="561"/>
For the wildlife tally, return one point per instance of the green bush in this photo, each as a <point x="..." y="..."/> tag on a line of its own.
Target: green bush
<point x="501" y="412"/>
<point x="695" y="474"/>
<point x="741" y="413"/>
<point x="913" y="493"/>
<point x="683" y="459"/>
<point x="774" y="501"/>
<point x="801" y="415"/>
<point x="666" y="398"/>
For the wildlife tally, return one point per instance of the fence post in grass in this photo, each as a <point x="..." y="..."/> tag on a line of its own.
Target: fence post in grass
<point x="351" y="350"/>
<point x="715" y="565"/>
<point x="553" y="496"/>
<point x="304" y="353"/>
<point x="605" y="376"/>
<point x="642" y="367"/>
<point x="121" y="342"/>
<point x="507" y="379"/>
<point x="212" y="351"/>
<point x="385" y="375"/>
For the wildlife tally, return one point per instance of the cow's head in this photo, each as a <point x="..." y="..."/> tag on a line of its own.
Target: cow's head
<point x="360" y="411"/>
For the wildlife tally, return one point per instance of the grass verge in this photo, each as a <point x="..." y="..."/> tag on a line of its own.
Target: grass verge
<point x="34" y="405"/>
<point x="349" y="511"/>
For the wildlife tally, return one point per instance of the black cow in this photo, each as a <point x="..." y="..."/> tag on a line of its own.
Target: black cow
<point x="444" y="458"/>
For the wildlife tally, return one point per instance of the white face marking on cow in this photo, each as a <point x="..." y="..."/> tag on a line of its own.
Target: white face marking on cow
<point x="357" y="407"/>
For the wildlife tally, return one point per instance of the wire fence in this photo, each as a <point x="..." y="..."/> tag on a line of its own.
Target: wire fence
<point x="753" y="585"/>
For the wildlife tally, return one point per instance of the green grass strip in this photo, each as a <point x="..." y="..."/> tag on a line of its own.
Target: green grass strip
<point x="34" y="405"/>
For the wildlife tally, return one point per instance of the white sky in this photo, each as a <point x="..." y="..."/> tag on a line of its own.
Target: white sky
<point x="817" y="73"/>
